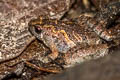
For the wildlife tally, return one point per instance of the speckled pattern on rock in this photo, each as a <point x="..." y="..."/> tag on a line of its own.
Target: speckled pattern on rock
<point x="14" y="34"/>
<point x="14" y="18"/>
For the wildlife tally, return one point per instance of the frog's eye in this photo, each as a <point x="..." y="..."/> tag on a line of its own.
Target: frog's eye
<point x="38" y="30"/>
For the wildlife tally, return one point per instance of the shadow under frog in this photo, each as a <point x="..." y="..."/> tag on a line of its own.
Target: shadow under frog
<point x="82" y="39"/>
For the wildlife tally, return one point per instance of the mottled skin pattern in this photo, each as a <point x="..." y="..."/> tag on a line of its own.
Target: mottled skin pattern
<point x="61" y="36"/>
<point x="79" y="38"/>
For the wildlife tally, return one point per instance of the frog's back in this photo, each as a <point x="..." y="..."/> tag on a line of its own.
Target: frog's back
<point x="76" y="31"/>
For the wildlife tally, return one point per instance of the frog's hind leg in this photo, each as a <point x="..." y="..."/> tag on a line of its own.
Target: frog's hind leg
<point x="116" y="31"/>
<point x="110" y="34"/>
<point x="104" y="19"/>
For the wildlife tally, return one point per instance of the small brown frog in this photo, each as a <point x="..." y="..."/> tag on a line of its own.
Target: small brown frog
<point x="72" y="36"/>
<point x="61" y="36"/>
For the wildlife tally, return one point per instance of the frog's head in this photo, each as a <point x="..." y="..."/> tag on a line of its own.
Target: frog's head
<point x="50" y="35"/>
<point x="40" y="31"/>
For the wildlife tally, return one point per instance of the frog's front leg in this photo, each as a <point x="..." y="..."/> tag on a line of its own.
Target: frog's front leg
<point x="55" y="43"/>
<point x="54" y="52"/>
<point x="103" y="20"/>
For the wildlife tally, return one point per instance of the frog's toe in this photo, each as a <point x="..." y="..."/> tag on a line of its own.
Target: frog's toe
<point x="52" y="56"/>
<point x="46" y="59"/>
<point x="49" y="58"/>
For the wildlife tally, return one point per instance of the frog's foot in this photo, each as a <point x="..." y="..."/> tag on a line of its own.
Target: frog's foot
<point x="51" y="56"/>
<point x="48" y="58"/>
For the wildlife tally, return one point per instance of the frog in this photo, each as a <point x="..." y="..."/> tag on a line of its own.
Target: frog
<point x="58" y="37"/>
<point x="89" y="34"/>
